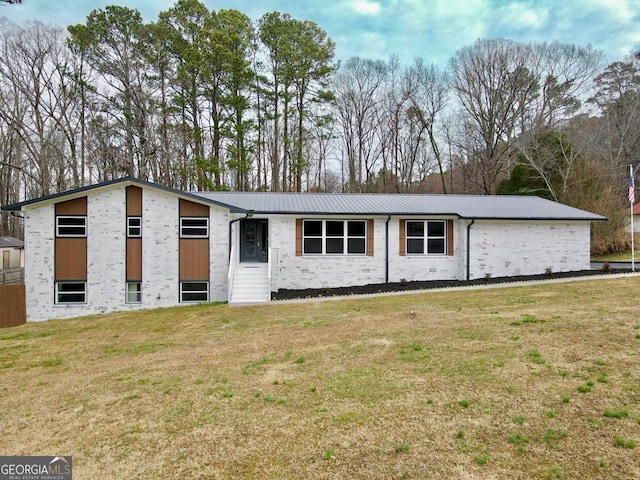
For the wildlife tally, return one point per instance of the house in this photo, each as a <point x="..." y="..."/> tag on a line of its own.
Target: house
<point x="130" y="244"/>
<point x="11" y="266"/>
<point x="12" y="251"/>
<point x="636" y="220"/>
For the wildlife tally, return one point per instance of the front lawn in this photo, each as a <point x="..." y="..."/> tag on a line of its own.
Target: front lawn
<point x="518" y="382"/>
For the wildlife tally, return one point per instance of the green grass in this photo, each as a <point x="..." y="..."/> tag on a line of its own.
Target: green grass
<point x="518" y="439"/>
<point x="553" y="437"/>
<point x="622" y="443"/>
<point x="351" y="388"/>
<point x="482" y="459"/>
<point x="610" y="413"/>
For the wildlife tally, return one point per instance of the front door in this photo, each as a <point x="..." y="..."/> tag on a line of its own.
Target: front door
<point x="254" y="240"/>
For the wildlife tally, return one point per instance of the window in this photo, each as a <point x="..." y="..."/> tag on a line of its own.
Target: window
<point x="194" y="291"/>
<point x="334" y="237"/>
<point x="134" y="227"/>
<point x="71" y="226"/>
<point x="426" y="237"/>
<point x="71" y="292"/>
<point x="134" y="292"/>
<point x="194" y="227"/>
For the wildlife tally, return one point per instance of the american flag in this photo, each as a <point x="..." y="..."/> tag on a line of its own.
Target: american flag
<point x="632" y="190"/>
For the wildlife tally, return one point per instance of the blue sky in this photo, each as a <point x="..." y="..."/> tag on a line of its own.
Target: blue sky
<point x="431" y="29"/>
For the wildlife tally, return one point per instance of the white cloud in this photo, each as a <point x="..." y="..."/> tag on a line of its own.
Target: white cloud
<point x="365" y="7"/>
<point x="620" y="10"/>
<point x="520" y="15"/>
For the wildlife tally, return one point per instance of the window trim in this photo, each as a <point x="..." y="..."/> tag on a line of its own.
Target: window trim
<point x="138" y="292"/>
<point x="72" y="235"/>
<point x="67" y="282"/>
<point x="183" y="234"/>
<point x="131" y="227"/>
<point x="182" y="291"/>
<point x="345" y="237"/>
<point x="425" y="238"/>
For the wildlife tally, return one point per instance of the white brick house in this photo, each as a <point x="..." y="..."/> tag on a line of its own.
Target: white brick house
<point x="129" y="244"/>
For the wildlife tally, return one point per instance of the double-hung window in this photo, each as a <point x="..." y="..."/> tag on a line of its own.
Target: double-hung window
<point x="194" y="291"/>
<point x="426" y="237"/>
<point x="134" y="227"/>
<point x="71" y="292"/>
<point x="194" y="227"/>
<point x="134" y="292"/>
<point x="334" y="237"/>
<point x="71" y="226"/>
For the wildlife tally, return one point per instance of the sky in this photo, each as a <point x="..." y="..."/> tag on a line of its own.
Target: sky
<point x="431" y="29"/>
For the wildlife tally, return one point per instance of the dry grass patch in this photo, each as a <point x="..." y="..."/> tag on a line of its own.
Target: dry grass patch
<point x="475" y="384"/>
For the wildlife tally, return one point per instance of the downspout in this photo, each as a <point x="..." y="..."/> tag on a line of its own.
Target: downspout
<point x="386" y="255"/>
<point x="248" y="214"/>
<point x="469" y="247"/>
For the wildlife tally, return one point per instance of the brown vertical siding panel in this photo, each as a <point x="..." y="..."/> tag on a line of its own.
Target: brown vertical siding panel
<point x="134" y="245"/>
<point x="192" y="209"/>
<point x="370" y="237"/>
<point x="450" y="237"/>
<point x="134" y="259"/>
<point x="71" y="258"/>
<point x="403" y="237"/>
<point x="194" y="259"/>
<point x="298" y="237"/>
<point x="77" y="206"/>
<point x="134" y="201"/>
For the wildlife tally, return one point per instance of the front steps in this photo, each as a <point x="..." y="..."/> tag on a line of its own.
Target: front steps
<point x="250" y="283"/>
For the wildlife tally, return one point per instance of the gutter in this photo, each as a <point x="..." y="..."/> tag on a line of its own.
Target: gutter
<point x="473" y="220"/>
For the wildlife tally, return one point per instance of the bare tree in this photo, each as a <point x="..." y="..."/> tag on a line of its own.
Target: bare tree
<point x="428" y="94"/>
<point x="359" y="88"/>
<point x="35" y="103"/>
<point x="494" y="87"/>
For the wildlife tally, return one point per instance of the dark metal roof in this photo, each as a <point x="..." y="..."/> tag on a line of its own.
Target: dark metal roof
<point x="11" y="242"/>
<point x="463" y="206"/>
<point x="503" y="207"/>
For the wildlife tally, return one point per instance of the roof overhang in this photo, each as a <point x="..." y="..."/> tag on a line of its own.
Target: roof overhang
<point x="122" y="182"/>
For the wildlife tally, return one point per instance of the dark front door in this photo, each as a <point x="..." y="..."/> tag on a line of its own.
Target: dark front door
<point x="254" y="240"/>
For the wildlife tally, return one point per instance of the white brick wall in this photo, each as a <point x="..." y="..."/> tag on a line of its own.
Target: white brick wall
<point x="512" y="248"/>
<point x="106" y="255"/>
<point x="498" y="249"/>
<point x="425" y="267"/>
<point x="323" y="270"/>
<point x="218" y="253"/>
<point x="106" y="247"/>
<point x="160" y="243"/>
<point x="39" y="238"/>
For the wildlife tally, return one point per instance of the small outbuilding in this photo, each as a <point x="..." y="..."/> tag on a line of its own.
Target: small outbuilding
<point x="12" y="251"/>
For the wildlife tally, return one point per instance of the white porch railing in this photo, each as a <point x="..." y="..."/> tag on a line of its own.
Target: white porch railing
<point x="232" y="268"/>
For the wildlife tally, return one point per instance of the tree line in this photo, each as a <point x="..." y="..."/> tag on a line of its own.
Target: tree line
<point x="211" y="100"/>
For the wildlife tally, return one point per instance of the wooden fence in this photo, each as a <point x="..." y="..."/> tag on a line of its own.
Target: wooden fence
<point x="13" y="306"/>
